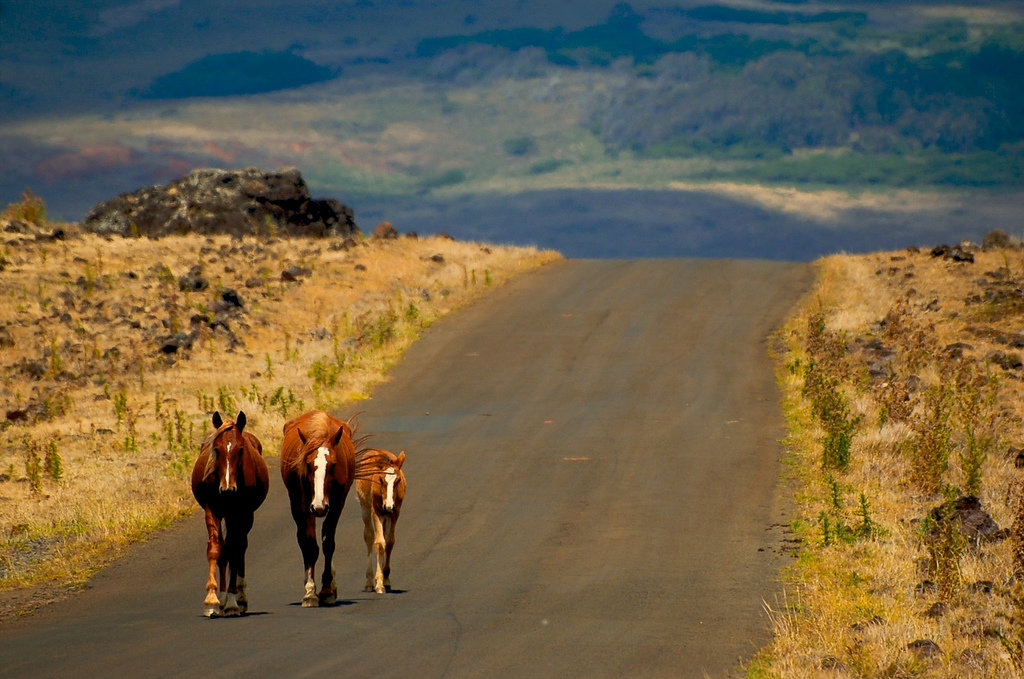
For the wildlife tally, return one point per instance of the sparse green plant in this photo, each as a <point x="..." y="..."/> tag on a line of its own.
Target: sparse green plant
<point x="52" y="463"/>
<point x="33" y="466"/>
<point x="31" y="209"/>
<point x="89" y="279"/>
<point x="868" y="528"/>
<point x="324" y="374"/>
<point x="946" y="545"/>
<point x="120" y="400"/>
<point x="930" y="447"/>
<point x="225" y="400"/>
<point x="270" y="366"/>
<point x="56" y="362"/>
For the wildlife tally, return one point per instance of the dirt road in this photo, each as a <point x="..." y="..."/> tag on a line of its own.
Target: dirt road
<point x="593" y="466"/>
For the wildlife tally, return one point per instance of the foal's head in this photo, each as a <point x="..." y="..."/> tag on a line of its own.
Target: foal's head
<point x="393" y="484"/>
<point x="226" y="453"/>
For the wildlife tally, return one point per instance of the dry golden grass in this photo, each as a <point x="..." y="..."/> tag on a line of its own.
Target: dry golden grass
<point x="102" y="427"/>
<point x="855" y="607"/>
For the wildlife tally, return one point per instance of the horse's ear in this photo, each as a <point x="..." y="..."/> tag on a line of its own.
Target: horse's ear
<point x="336" y="439"/>
<point x="216" y="419"/>
<point x="240" y="421"/>
<point x="400" y="459"/>
<point x="302" y="437"/>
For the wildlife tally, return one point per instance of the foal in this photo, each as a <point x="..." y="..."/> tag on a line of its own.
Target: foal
<point x="380" y="485"/>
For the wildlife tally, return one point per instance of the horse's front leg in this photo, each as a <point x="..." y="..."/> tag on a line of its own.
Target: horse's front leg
<point x="329" y="589"/>
<point x="212" y="605"/>
<point x="305" y="535"/>
<point x="389" y="544"/>
<point x="377" y="553"/>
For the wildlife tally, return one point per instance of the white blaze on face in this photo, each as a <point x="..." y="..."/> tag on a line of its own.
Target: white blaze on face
<point x="390" y="477"/>
<point x="319" y="477"/>
<point x="227" y="471"/>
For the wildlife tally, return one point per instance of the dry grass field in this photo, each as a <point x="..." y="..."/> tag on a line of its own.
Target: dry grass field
<point x="117" y="351"/>
<point x="904" y="390"/>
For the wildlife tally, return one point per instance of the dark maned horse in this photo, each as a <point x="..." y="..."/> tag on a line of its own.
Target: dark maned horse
<point x="230" y="481"/>
<point x="318" y="461"/>
<point x="380" y="485"/>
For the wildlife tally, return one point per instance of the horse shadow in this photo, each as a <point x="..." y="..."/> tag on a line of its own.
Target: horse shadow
<point x="247" y="614"/>
<point x="336" y="604"/>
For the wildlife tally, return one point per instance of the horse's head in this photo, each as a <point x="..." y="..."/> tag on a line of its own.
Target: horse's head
<point x="226" y="452"/>
<point x="320" y="461"/>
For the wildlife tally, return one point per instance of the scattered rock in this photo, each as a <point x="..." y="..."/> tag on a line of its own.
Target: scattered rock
<point x="924" y="648"/>
<point x="982" y="587"/>
<point x="193" y="281"/>
<point x="1007" y="360"/>
<point x="182" y="340"/>
<point x="997" y="239"/>
<point x="238" y="202"/>
<point x="956" y="253"/>
<point x="294" y="272"/>
<point x="936" y="610"/>
<point x="231" y="299"/>
<point x="1017" y="454"/>
<point x="385" y="230"/>
<point x="974" y="523"/>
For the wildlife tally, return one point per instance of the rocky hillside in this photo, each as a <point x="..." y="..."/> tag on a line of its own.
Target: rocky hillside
<point x="117" y="349"/>
<point x="905" y="383"/>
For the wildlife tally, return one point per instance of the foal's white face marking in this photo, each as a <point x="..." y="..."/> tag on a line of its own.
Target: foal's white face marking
<point x="390" y="477"/>
<point x="319" y="476"/>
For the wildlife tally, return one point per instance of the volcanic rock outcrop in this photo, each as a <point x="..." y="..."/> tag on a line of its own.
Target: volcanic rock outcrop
<point x="240" y="202"/>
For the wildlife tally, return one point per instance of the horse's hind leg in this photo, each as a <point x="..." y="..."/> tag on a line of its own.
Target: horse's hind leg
<point x="212" y="604"/>
<point x="243" y="547"/>
<point x="235" y="602"/>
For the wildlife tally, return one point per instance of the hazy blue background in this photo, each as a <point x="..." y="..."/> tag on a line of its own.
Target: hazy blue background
<point x="621" y="100"/>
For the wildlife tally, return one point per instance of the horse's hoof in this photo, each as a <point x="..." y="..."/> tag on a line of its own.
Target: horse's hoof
<point x="310" y="602"/>
<point x="368" y="588"/>
<point x="212" y="612"/>
<point x="232" y="612"/>
<point x="379" y="590"/>
<point x="329" y="600"/>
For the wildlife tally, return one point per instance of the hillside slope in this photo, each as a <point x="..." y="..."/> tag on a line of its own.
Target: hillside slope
<point x="117" y="351"/>
<point x="904" y="386"/>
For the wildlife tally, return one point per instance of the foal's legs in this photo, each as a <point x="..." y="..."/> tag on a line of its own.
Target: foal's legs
<point x="389" y="544"/>
<point x="377" y="554"/>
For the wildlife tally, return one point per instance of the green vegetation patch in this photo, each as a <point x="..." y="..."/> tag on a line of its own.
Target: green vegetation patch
<point x="237" y="73"/>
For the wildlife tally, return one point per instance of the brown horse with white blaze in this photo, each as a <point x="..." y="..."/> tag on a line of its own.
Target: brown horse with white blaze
<point x="230" y="481"/>
<point x="381" y="489"/>
<point x="318" y="460"/>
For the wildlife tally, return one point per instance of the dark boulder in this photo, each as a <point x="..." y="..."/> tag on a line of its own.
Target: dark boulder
<point x="966" y="513"/>
<point x="238" y="202"/>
